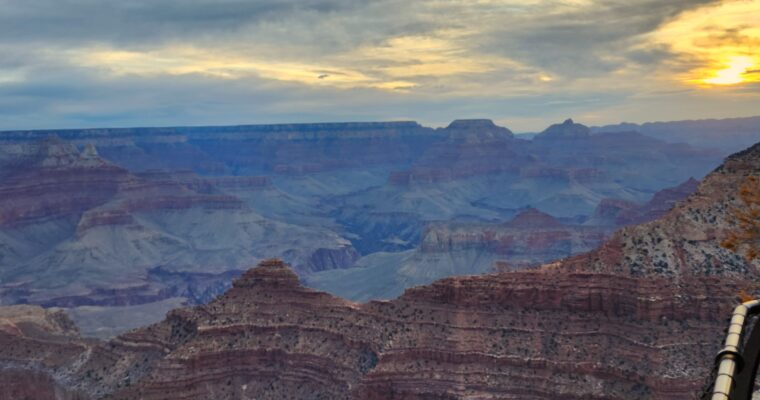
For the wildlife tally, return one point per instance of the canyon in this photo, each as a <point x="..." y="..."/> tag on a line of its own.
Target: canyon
<point x="730" y="134"/>
<point x="639" y="317"/>
<point x="134" y="220"/>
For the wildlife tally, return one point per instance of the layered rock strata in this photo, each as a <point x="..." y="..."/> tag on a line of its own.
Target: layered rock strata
<point x="530" y="238"/>
<point x="638" y="318"/>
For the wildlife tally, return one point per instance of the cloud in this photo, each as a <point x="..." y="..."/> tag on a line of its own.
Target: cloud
<point x="143" y="62"/>
<point x="136" y="21"/>
<point x="586" y="40"/>
<point x="72" y="97"/>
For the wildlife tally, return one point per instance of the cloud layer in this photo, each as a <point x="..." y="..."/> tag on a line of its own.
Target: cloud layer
<point x="80" y="63"/>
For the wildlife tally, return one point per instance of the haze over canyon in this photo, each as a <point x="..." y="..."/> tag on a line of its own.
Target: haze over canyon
<point x="366" y="210"/>
<point x="146" y="219"/>
<point x="379" y="200"/>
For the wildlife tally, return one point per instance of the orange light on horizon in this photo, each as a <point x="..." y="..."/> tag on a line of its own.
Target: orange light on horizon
<point x="715" y="45"/>
<point x="733" y="74"/>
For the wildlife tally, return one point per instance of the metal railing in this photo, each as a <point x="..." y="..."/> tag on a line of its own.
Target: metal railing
<point x="738" y="360"/>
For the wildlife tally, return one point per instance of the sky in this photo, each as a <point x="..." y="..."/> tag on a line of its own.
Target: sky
<point x="524" y="64"/>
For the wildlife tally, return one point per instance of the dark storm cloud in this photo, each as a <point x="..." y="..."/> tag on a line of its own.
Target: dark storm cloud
<point x="321" y="25"/>
<point x="137" y="20"/>
<point x="581" y="40"/>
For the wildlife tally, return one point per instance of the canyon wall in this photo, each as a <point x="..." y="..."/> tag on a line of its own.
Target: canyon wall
<point x="640" y="317"/>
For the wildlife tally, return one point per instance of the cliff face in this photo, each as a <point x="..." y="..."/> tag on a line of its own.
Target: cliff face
<point x="528" y="335"/>
<point x="496" y="336"/>
<point x="616" y="212"/>
<point x="35" y="342"/>
<point x="54" y="180"/>
<point x="684" y="243"/>
<point x="641" y="317"/>
<point x="77" y="230"/>
<point x="216" y="197"/>
<point x="287" y="149"/>
<point x="564" y="171"/>
<point x="530" y="238"/>
<point x="730" y="134"/>
<point x="566" y="130"/>
<point x="638" y="318"/>
<point x="451" y="248"/>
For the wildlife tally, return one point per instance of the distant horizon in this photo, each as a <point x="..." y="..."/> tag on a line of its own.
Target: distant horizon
<point x="421" y="123"/>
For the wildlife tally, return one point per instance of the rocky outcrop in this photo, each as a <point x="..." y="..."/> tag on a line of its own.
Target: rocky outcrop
<point x="61" y="181"/>
<point x="530" y="238"/>
<point x="641" y="317"/>
<point x="616" y="212"/>
<point x="477" y="130"/>
<point x="34" y="342"/>
<point x="332" y="258"/>
<point x="54" y="180"/>
<point x="77" y="230"/>
<point x="638" y="318"/>
<point x="608" y="211"/>
<point x="565" y="130"/>
<point x="265" y="355"/>
<point x="729" y="134"/>
<point x="533" y="219"/>
<point x="540" y="335"/>
<point x="684" y="242"/>
<point x="283" y="148"/>
<point x="27" y="320"/>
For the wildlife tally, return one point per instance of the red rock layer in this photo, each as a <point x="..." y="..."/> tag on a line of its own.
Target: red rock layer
<point x="42" y="194"/>
<point x="34" y="343"/>
<point x="61" y="181"/>
<point x="639" y="318"/>
<point x="56" y="180"/>
<point x="540" y="335"/>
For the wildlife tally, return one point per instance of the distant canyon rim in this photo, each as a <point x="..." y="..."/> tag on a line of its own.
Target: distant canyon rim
<point x="146" y="219"/>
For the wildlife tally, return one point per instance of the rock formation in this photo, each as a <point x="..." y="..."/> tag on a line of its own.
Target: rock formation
<point x="565" y="130"/>
<point x="530" y="238"/>
<point x="77" y="230"/>
<point x="121" y="217"/>
<point x="35" y="341"/>
<point x="616" y="212"/>
<point x="638" y="318"/>
<point x="729" y="134"/>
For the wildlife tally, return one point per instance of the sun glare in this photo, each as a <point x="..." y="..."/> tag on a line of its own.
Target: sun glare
<point x="733" y="74"/>
<point x="714" y="45"/>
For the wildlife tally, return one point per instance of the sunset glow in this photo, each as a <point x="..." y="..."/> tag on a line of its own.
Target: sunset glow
<point x="528" y="62"/>
<point x="715" y="45"/>
<point x="734" y="74"/>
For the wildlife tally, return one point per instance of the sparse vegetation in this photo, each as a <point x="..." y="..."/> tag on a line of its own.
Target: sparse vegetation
<point x="746" y="238"/>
